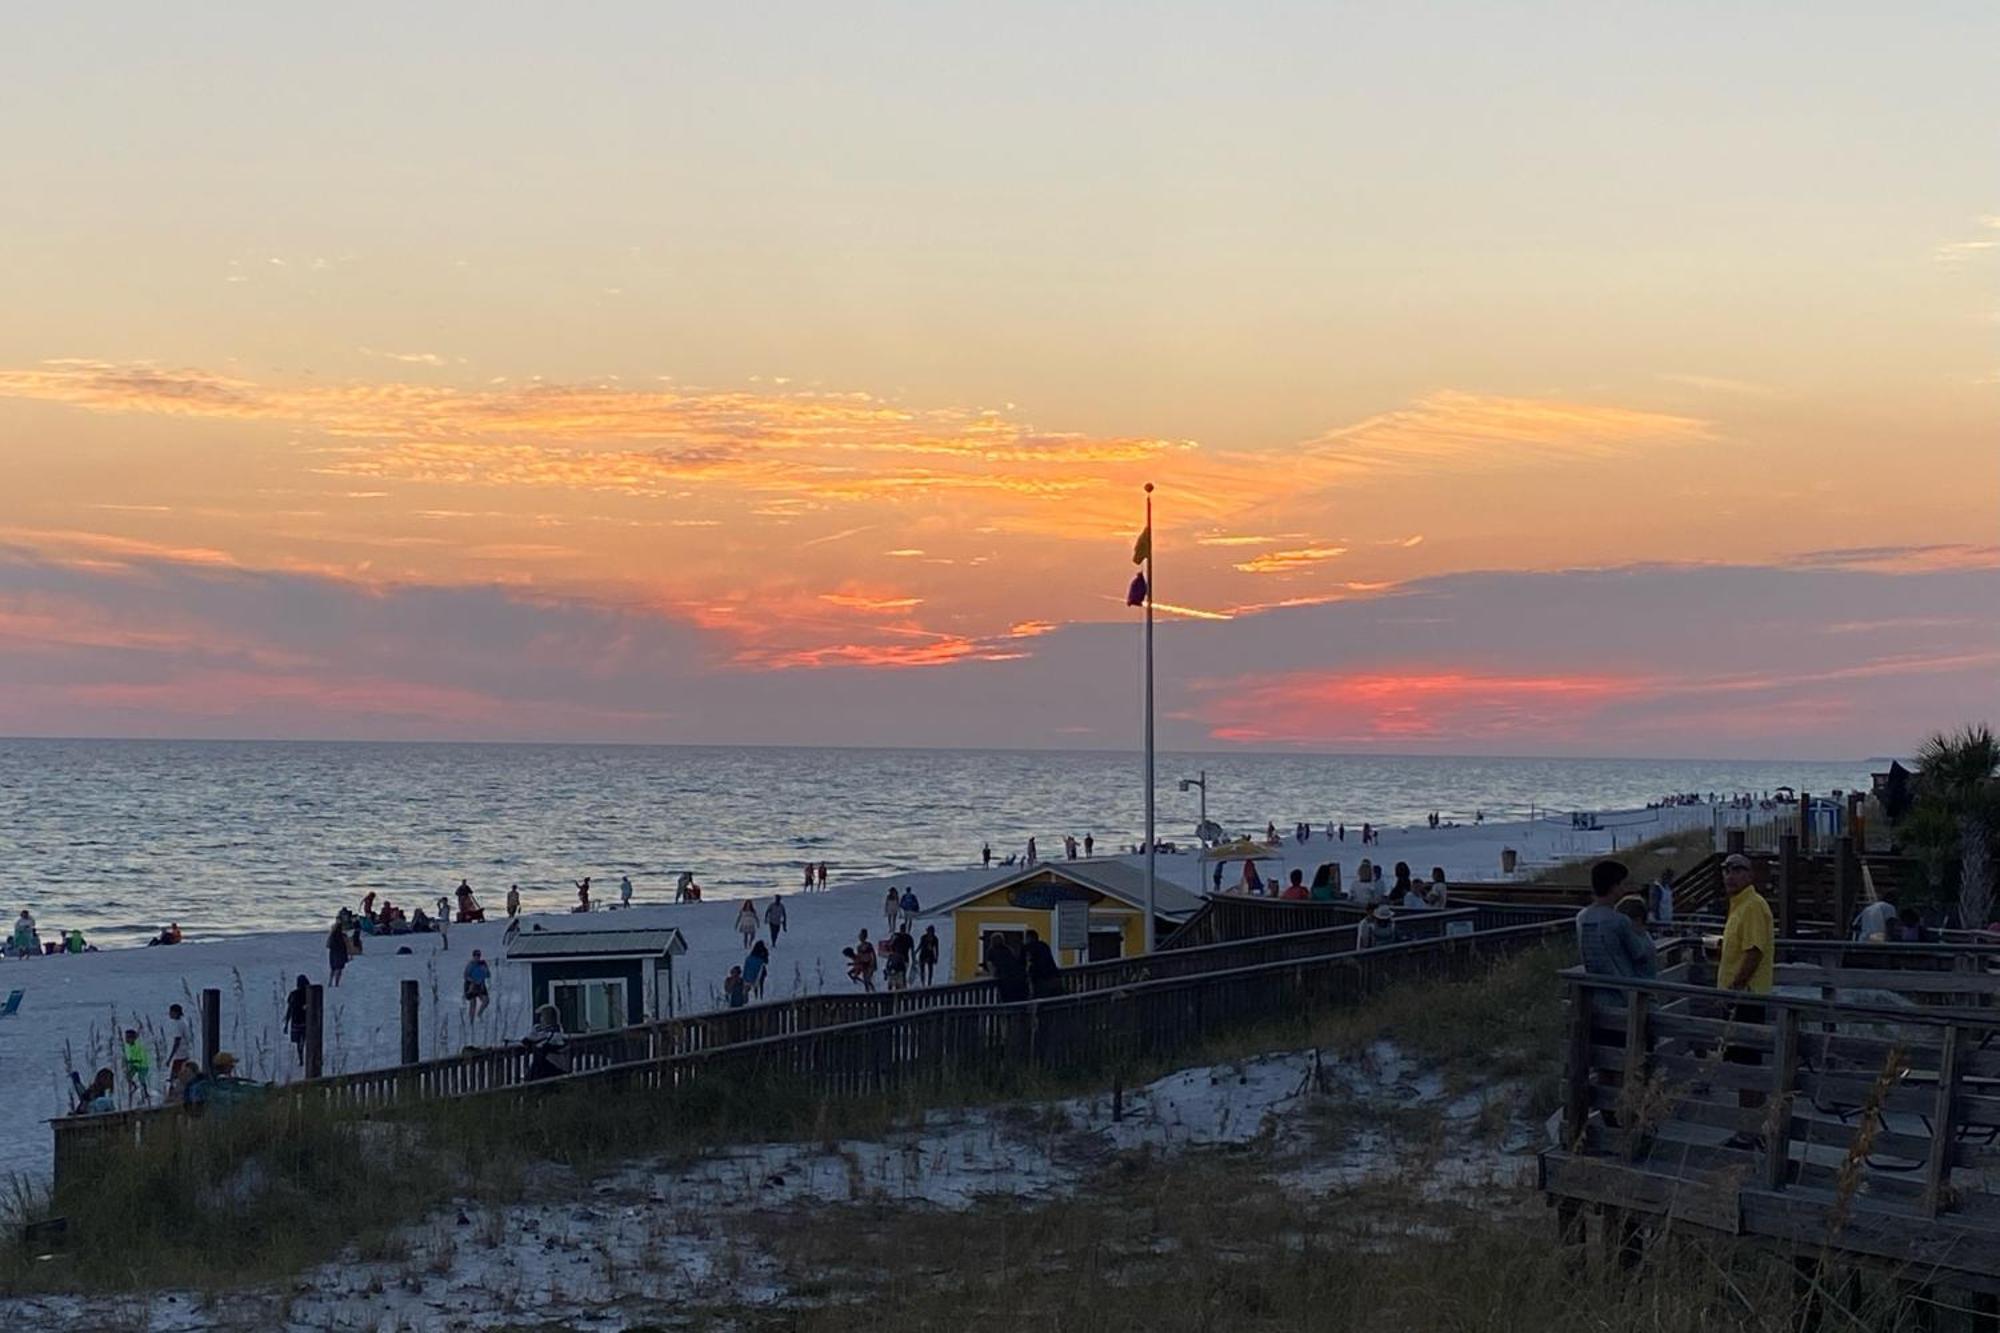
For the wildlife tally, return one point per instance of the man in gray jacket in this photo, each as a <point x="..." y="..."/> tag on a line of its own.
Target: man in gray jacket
<point x="1611" y="943"/>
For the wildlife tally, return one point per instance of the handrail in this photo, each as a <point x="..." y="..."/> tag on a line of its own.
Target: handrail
<point x="1123" y="994"/>
<point x="1575" y="978"/>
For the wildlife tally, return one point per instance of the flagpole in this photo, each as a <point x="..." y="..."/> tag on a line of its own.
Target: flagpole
<point x="1148" y="937"/>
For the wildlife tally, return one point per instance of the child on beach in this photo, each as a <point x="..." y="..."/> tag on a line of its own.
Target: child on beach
<point x="477" y="978"/>
<point x="756" y="967"/>
<point x="138" y="1069"/>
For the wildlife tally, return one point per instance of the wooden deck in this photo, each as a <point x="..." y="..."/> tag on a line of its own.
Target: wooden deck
<point x="1873" y="1083"/>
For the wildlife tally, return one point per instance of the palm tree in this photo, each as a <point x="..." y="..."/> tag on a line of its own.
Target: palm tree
<point x="1958" y="801"/>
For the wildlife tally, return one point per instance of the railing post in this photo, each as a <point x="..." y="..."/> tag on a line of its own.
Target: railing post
<point x="211" y="1028"/>
<point x="316" y="1032"/>
<point x="1845" y="874"/>
<point x="1778" y="1145"/>
<point x="1937" y="1172"/>
<point x="1805" y="823"/>
<point x="1576" y="1098"/>
<point x="410" y="998"/>
<point x="1635" y="1069"/>
<point x="1788" y="885"/>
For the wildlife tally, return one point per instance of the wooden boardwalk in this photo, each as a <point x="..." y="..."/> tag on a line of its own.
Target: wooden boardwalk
<point x="1866" y="1091"/>
<point x="855" y="1043"/>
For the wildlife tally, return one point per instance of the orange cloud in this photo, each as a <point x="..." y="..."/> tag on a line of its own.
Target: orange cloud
<point x="1290" y="562"/>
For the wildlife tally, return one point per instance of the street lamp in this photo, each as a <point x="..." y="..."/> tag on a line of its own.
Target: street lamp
<point x="1201" y="782"/>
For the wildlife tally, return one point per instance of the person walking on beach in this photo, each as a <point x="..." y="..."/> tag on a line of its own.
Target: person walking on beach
<point x="822" y="875"/>
<point x="26" y="942"/>
<point x="1089" y="843"/>
<point x="1031" y="850"/>
<point x="298" y="1014"/>
<point x="908" y="908"/>
<point x="986" y="856"/>
<point x="478" y="986"/>
<point x="774" y="918"/>
<point x="861" y="963"/>
<point x="891" y="907"/>
<point x="582" y="895"/>
<point x="138" y="1070"/>
<point x="808" y="884"/>
<point x="336" y="954"/>
<point x="513" y="901"/>
<point x="182" y="1050"/>
<point x="624" y="890"/>
<point x="927" y="955"/>
<point x="746" y="922"/>
<point x="756" y="967"/>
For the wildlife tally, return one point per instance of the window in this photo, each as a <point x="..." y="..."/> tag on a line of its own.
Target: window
<point x="590" y="1006"/>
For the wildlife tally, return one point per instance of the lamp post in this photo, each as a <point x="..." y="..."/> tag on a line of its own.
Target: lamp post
<point x="1201" y="782"/>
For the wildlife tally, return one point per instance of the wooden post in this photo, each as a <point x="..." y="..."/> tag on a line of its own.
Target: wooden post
<point x="410" y="995"/>
<point x="1805" y="823"/>
<point x="211" y="1028"/>
<point x="316" y="1032"/>
<point x="1937" y="1173"/>
<point x="1635" y="1070"/>
<point x="1576" y="1099"/>
<point x="1778" y="1137"/>
<point x="1845" y="887"/>
<point x="1788" y="885"/>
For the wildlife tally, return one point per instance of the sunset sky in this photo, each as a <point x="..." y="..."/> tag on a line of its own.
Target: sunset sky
<point x="1568" y="379"/>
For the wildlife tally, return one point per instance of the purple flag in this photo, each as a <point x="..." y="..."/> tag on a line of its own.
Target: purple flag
<point x="1136" y="594"/>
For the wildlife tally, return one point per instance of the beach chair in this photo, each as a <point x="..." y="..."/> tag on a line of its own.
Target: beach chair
<point x="13" y="1005"/>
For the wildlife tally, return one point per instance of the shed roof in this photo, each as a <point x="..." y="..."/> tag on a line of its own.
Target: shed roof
<point x="1113" y="879"/>
<point x="538" y="942"/>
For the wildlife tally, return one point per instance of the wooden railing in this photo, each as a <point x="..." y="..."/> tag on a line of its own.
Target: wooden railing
<point x="1097" y="1029"/>
<point x="1226" y="918"/>
<point x="502" y="1067"/>
<point x="1872" y="1126"/>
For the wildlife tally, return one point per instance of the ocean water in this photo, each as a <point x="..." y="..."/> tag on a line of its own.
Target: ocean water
<point x="118" y="837"/>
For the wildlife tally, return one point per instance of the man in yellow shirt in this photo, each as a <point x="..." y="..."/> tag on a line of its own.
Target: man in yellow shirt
<point x="1749" y="962"/>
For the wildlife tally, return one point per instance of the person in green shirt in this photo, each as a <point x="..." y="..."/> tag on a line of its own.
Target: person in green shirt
<point x="138" y="1068"/>
<point x="1748" y="966"/>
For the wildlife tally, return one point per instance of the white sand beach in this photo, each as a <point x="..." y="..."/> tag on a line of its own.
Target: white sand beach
<point x="73" y="1006"/>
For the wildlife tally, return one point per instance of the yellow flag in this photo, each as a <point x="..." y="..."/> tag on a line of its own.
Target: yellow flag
<point x="1142" y="550"/>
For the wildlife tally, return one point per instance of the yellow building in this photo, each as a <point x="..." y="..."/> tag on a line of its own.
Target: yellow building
<point x="1113" y="895"/>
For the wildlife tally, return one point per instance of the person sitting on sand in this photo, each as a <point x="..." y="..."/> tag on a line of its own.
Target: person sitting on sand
<point x="469" y="909"/>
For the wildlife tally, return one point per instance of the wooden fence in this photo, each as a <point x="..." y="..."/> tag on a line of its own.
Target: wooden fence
<point x="844" y="1043"/>
<point x="1872" y="1123"/>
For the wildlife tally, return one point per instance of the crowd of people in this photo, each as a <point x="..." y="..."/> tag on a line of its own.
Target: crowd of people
<point x="901" y="956"/>
<point x="25" y="940"/>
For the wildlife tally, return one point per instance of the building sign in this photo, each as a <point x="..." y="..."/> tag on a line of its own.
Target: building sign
<point x="1072" y="925"/>
<point x="1042" y="897"/>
